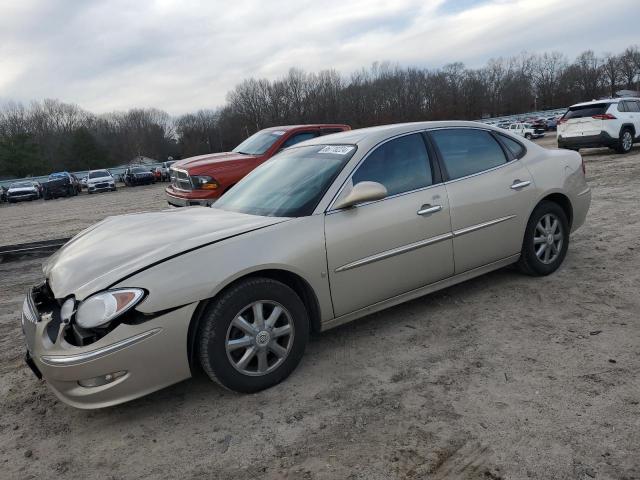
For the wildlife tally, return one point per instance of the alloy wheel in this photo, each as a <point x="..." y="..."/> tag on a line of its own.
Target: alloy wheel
<point x="627" y="141"/>
<point x="259" y="338"/>
<point x="548" y="238"/>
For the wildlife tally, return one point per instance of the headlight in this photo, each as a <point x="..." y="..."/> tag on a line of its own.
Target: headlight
<point x="103" y="307"/>
<point x="204" y="182"/>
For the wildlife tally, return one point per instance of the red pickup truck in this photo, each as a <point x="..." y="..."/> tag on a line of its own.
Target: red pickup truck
<point x="201" y="180"/>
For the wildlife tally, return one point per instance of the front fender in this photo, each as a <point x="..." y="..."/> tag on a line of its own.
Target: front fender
<point x="295" y="246"/>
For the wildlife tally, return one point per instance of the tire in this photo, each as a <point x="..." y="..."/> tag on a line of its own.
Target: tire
<point x="527" y="136"/>
<point x="533" y="261"/>
<point x="625" y="142"/>
<point x="216" y="329"/>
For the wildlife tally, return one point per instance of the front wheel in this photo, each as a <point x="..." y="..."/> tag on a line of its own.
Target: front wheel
<point x="527" y="136"/>
<point x="253" y="336"/>
<point x="546" y="240"/>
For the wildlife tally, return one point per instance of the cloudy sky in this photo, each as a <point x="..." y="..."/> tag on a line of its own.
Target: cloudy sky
<point x="181" y="55"/>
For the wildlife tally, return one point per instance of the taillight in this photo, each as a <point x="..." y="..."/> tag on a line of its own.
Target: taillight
<point x="584" y="168"/>
<point x="604" y="116"/>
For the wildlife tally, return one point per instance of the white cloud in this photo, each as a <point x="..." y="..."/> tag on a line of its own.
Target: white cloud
<point x="185" y="55"/>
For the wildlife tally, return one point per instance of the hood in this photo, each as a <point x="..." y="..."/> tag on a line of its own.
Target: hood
<point x="100" y="180"/>
<point x="118" y="246"/>
<point x="194" y="163"/>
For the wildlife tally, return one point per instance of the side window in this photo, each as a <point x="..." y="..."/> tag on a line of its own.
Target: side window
<point x="467" y="151"/>
<point x="514" y="147"/>
<point x="633" y="106"/>
<point x="401" y="165"/>
<point x="298" y="137"/>
<point x="622" y="107"/>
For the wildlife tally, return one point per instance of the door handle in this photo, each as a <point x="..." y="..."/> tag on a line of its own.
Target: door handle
<point x="517" y="184"/>
<point x="427" y="209"/>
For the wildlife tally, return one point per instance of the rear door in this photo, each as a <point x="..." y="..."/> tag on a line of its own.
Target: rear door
<point x="377" y="250"/>
<point x="490" y="194"/>
<point x="633" y="113"/>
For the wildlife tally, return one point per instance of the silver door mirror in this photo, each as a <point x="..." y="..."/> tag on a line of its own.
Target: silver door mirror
<point x="362" y="192"/>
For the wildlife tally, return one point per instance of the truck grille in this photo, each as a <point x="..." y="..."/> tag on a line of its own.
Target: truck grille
<point x="180" y="180"/>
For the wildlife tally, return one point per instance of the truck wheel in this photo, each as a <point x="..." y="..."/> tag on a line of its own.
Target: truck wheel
<point x="625" y="142"/>
<point x="527" y="136"/>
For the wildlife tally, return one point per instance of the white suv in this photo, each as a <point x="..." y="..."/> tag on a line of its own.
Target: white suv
<point x="525" y="130"/>
<point x="613" y="123"/>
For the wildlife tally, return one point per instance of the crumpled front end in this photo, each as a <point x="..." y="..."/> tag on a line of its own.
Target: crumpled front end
<point x="143" y="353"/>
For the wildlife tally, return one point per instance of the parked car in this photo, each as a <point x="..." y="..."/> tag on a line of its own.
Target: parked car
<point x="26" y="190"/>
<point x="137" y="175"/>
<point x="203" y="179"/>
<point x="157" y="174"/>
<point x="3" y="193"/>
<point x="552" y="123"/>
<point x="526" y="130"/>
<point x="164" y="169"/>
<point x="60" y="184"/>
<point x="323" y="233"/>
<point x="100" y="181"/>
<point x="613" y="123"/>
<point x="83" y="181"/>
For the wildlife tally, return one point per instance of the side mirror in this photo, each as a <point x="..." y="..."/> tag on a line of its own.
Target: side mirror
<point x="362" y="192"/>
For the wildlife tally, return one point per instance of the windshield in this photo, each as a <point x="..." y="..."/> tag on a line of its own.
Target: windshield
<point x="258" y="143"/>
<point x="290" y="184"/>
<point x="53" y="176"/>
<point x="22" y="185"/>
<point x="99" y="174"/>
<point x="586" y="110"/>
<point x="139" y="170"/>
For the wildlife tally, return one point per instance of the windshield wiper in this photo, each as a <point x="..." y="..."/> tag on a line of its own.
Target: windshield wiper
<point x="244" y="153"/>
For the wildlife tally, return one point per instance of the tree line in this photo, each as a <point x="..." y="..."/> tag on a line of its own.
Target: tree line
<point x="50" y="135"/>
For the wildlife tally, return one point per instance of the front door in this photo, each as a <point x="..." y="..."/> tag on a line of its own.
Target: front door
<point x="381" y="249"/>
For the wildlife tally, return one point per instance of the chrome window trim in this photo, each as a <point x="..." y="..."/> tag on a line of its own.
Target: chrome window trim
<point x="69" y="360"/>
<point x="338" y="210"/>
<point x="330" y="208"/>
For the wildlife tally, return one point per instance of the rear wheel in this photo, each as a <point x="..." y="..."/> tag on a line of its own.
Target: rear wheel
<point x="546" y="240"/>
<point x="625" y="142"/>
<point x="253" y="336"/>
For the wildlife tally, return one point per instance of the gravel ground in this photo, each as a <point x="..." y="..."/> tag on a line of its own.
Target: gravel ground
<point x="502" y="377"/>
<point x="64" y="217"/>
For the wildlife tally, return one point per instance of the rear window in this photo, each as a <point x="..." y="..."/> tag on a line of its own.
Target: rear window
<point x="514" y="147"/>
<point x="586" y="111"/>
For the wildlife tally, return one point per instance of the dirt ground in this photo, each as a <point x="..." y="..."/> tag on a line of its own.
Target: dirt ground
<point x="502" y="377"/>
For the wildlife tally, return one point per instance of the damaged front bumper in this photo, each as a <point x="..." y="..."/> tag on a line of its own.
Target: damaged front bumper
<point x="130" y="361"/>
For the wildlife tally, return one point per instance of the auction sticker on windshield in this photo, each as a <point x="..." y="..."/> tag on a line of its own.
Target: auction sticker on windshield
<point x="336" y="149"/>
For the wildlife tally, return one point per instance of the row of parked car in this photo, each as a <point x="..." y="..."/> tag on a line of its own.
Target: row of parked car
<point x="65" y="184"/>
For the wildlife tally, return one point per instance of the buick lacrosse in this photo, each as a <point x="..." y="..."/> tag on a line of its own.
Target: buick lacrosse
<point x="327" y="231"/>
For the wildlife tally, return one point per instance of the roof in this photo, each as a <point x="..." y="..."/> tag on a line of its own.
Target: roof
<point x="307" y="125"/>
<point x="368" y="137"/>
<point x="603" y="100"/>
